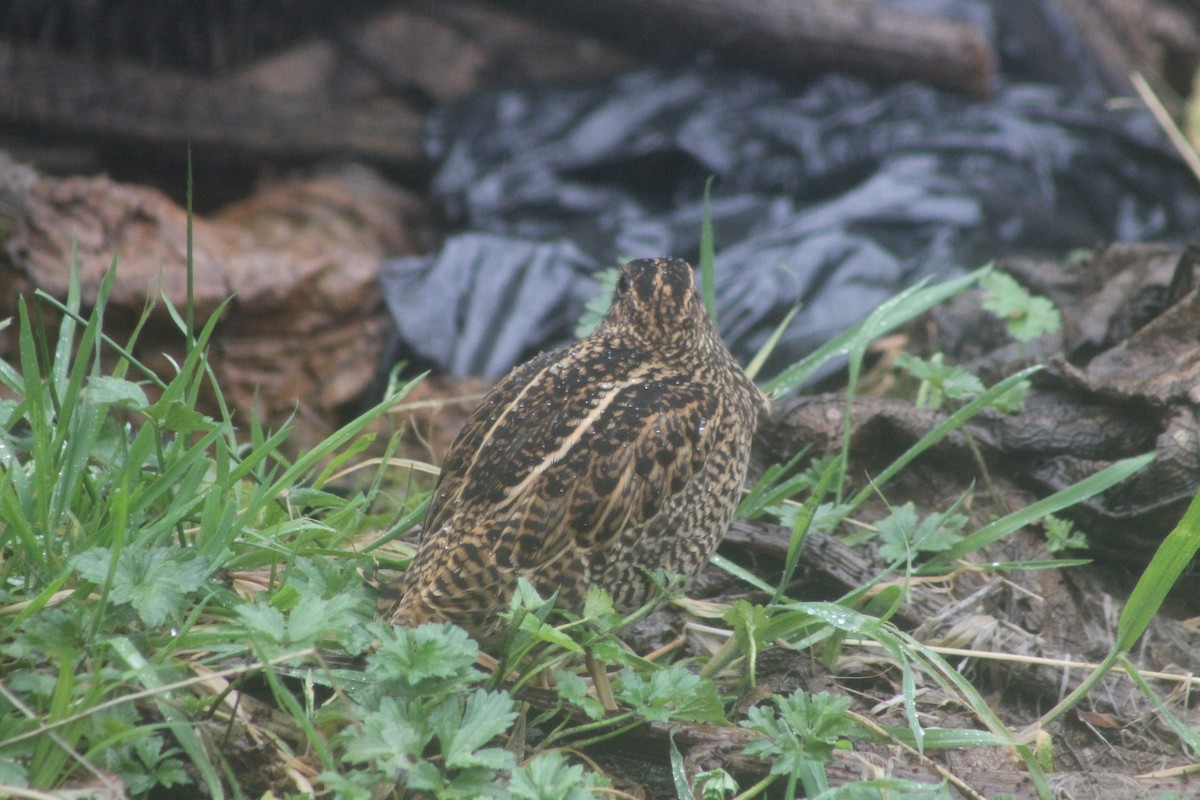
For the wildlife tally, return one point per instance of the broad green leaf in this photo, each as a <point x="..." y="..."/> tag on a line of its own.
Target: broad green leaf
<point x="485" y="716"/>
<point x="155" y="581"/>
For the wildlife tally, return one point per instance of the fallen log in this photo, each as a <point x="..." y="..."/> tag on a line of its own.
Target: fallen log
<point x="792" y="36"/>
<point x="47" y="91"/>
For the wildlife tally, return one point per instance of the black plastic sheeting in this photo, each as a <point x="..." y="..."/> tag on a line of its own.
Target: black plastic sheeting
<point x="837" y="193"/>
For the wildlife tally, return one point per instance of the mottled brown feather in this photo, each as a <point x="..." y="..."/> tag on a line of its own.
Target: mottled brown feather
<point x="589" y="465"/>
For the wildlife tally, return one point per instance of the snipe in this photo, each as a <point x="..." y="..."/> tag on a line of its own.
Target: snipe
<point x="591" y="464"/>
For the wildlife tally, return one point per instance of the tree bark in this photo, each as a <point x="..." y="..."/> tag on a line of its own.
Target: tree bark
<point x="790" y="36"/>
<point x="42" y="90"/>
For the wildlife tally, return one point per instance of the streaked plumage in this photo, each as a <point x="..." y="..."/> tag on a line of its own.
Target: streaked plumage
<point x="587" y="465"/>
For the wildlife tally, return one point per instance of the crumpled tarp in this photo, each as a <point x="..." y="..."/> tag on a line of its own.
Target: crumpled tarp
<point x="836" y="194"/>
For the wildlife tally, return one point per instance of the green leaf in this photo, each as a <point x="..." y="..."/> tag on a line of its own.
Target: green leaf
<point x="549" y="776"/>
<point x="1012" y="400"/>
<point x="574" y="689"/>
<point x="896" y="532"/>
<point x="392" y="737"/>
<point x="597" y="604"/>
<point x="424" y="662"/>
<point x="148" y="765"/>
<point x="939" y="380"/>
<point x="750" y="626"/>
<point x="462" y="733"/>
<point x="156" y="581"/>
<point x="1026" y="316"/>
<point x="1061" y="535"/>
<point x="903" y="535"/>
<point x="780" y="746"/>
<point x="263" y="620"/>
<point x="801" y="728"/>
<point x="169" y="706"/>
<point x="715" y="784"/>
<point x="671" y="693"/>
<point x="13" y="773"/>
<point x="346" y="787"/>
<point x="315" y="616"/>
<point x="545" y="632"/>
<point x="174" y="415"/>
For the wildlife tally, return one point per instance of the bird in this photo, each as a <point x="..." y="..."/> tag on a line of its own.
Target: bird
<point x="592" y="465"/>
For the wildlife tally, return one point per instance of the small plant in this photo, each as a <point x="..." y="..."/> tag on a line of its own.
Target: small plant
<point x="903" y="535"/>
<point x="1025" y="315"/>
<point x="799" y="733"/>
<point x="550" y="777"/>
<point x="939" y="381"/>
<point x="715" y="784"/>
<point x="1061" y="535"/>
<point x="944" y="385"/>
<point x="417" y="704"/>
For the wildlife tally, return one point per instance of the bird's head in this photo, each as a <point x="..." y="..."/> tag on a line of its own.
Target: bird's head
<point x="655" y="301"/>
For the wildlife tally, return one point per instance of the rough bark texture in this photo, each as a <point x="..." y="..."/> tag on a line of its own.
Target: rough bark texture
<point x="360" y="91"/>
<point x="802" y="37"/>
<point x="131" y="101"/>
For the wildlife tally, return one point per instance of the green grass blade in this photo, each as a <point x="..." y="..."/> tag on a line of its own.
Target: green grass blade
<point x="679" y="776"/>
<point x="11" y="378"/>
<point x="1169" y="561"/>
<point x="311" y="459"/>
<point x="1088" y="487"/>
<point x="189" y="303"/>
<point x="1171" y="558"/>
<point x="939" y="432"/>
<point x="742" y="573"/>
<point x="66" y="328"/>
<point x="17" y="533"/>
<point x="51" y="753"/>
<point x="125" y="353"/>
<point x="1190" y="738"/>
<point x="803" y="522"/>
<point x="708" y="282"/>
<point x="764" y="352"/>
<point x="776" y="484"/>
<point x="113" y="537"/>
<point x="36" y="504"/>
<point x="401" y="527"/>
<point x="890" y="314"/>
<point x="173" y="477"/>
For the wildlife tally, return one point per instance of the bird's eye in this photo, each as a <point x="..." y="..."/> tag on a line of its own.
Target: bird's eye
<point x="623" y="284"/>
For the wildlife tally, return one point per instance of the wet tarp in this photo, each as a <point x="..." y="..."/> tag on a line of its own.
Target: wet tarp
<point x="836" y="193"/>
